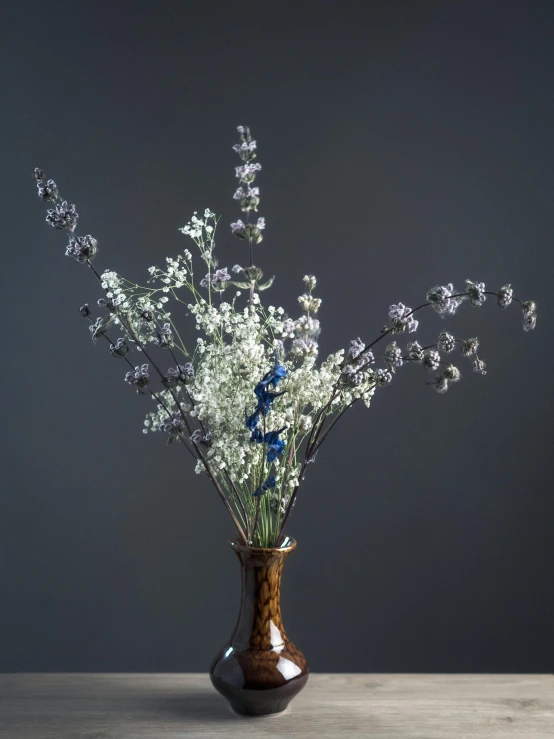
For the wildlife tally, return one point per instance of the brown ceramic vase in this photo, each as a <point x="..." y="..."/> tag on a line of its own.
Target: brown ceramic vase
<point x="259" y="671"/>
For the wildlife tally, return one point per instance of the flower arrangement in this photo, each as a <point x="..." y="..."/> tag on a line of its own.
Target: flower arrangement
<point x="248" y="399"/>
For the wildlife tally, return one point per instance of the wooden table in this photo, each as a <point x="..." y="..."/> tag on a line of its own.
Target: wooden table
<point x="341" y="706"/>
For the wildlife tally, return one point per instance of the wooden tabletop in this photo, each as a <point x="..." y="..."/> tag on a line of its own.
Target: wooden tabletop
<point x="341" y="706"/>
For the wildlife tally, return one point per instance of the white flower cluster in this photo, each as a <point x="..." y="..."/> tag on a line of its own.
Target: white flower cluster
<point x="230" y="362"/>
<point x="198" y="228"/>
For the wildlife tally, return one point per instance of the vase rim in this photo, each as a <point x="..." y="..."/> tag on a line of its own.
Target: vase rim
<point x="287" y="546"/>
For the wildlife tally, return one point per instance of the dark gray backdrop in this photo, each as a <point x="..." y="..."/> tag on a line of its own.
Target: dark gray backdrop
<point x="403" y="144"/>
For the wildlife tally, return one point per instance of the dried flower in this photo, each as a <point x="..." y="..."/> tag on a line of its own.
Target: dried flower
<point x="431" y="359"/>
<point x="47" y="191"/>
<point x="479" y="366"/>
<point x="452" y="373"/>
<point x="268" y="484"/>
<point x="351" y="376"/>
<point x="249" y="199"/>
<point x="146" y="316"/>
<point x="302" y="348"/>
<point x="476" y="293"/>
<point x="382" y="377"/>
<point x="244" y="133"/>
<point x="306" y="326"/>
<point x="249" y="230"/>
<point x="247" y="172"/>
<point x="274" y="445"/>
<point x="82" y="248"/>
<point x="200" y="438"/>
<point x="529" y="314"/>
<point x="415" y="352"/>
<point x="164" y="336"/>
<point x="279" y="504"/>
<point x="232" y="352"/>
<point x="246" y="150"/>
<point x="63" y="217"/>
<point x="139" y="378"/>
<point x="173" y="425"/>
<point x="106" y="303"/>
<point x="38" y="174"/>
<point x="469" y="347"/>
<point x="100" y="326"/>
<point x="505" y="296"/>
<point x="308" y="303"/>
<point x="310" y="282"/>
<point x="217" y="280"/>
<point x="442" y="300"/>
<point x="402" y="319"/>
<point x="393" y="356"/>
<point x="356" y="348"/>
<point x="440" y="384"/>
<point x="446" y="342"/>
<point x="121" y="348"/>
<point x="179" y="375"/>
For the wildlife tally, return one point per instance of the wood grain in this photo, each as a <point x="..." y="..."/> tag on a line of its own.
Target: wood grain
<point x="341" y="706"/>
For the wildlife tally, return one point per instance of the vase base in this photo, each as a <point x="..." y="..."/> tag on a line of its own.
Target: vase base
<point x="269" y="702"/>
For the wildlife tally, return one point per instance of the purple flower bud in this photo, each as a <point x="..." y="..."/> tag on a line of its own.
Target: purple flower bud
<point x="402" y="319"/>
<point x="63" y="217"/>
<point x="442" y="301"/>
<point x="139" y="378"/>
<point x="82" y="248"/>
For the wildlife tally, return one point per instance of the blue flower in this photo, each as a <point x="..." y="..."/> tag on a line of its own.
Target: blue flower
<point x="265" y="397"/>
<point x="266" y="485"/>
<point x="257" y="435"/>
<point x="275" y="445"/>
<point x="279" y="372"/>
<point x="252" y="421"/>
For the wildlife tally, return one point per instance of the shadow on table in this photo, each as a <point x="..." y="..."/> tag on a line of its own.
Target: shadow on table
<point x="201" y="706"/>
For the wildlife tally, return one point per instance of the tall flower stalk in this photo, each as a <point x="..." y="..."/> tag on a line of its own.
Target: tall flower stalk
<point x="247" y="398"/>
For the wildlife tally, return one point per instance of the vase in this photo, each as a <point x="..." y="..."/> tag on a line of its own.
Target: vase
<point x="259" y="671"/>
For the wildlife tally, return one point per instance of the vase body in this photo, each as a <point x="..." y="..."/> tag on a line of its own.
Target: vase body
<point x="259" y="671"/>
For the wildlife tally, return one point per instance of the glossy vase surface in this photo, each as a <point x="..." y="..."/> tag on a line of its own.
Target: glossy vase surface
<point x="259" y="671"/>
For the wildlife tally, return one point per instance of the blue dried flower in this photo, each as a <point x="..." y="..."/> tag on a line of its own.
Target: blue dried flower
<point x="268" y="484"/>
<point x="275" y="445"/>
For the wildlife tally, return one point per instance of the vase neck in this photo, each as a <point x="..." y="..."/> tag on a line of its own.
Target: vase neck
<point x="259" y="625"/>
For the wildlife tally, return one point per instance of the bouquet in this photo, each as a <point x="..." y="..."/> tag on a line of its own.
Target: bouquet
<point x="237" y="384"/>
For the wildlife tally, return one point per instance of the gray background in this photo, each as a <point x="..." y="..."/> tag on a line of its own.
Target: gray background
<point x="404" y="144"/>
